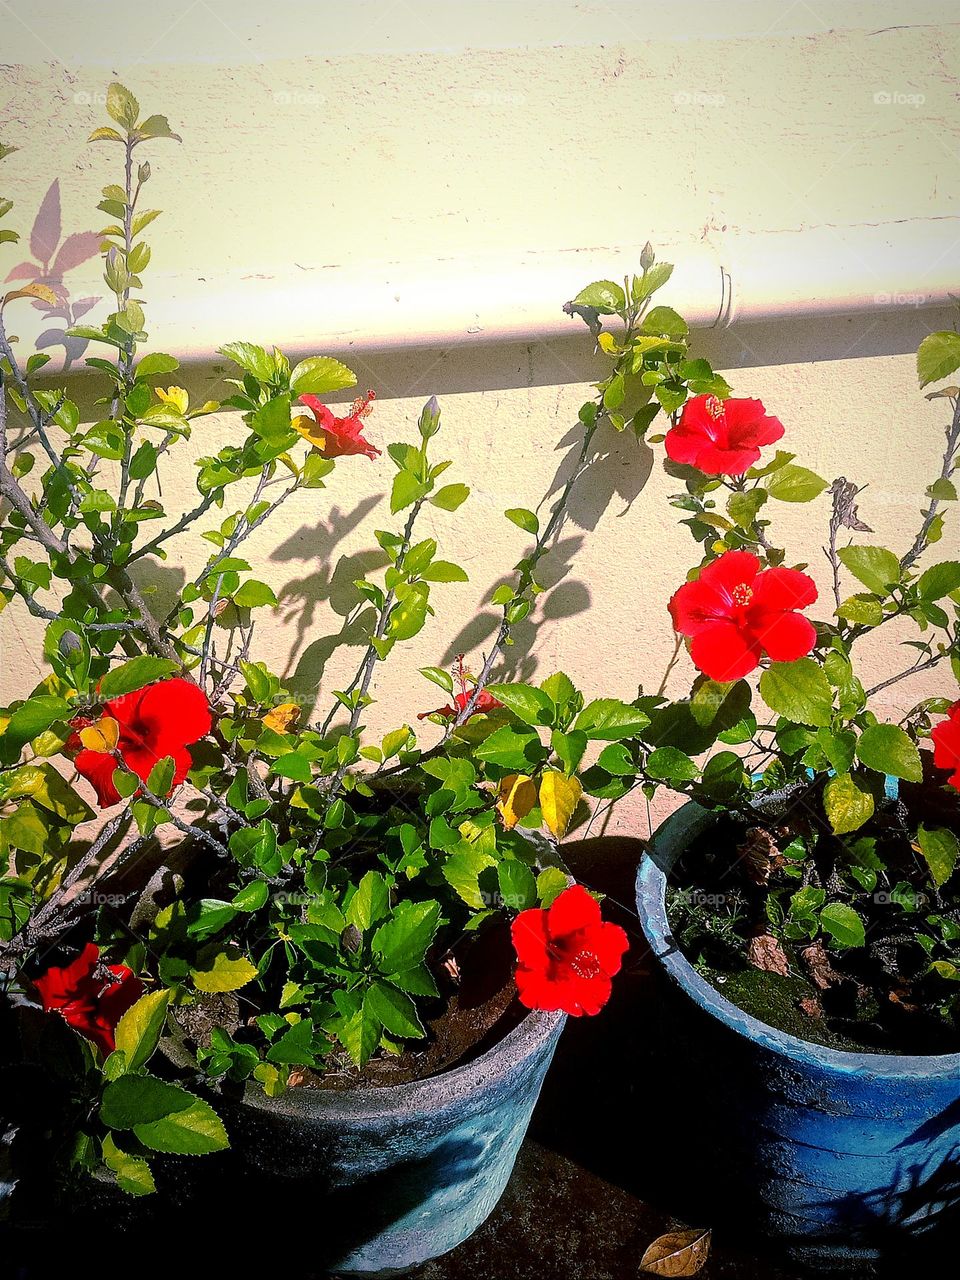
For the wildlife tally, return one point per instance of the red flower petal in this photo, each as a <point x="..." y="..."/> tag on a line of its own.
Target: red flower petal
<point x="324" y="416"/>
<point x="946" y="744"/>
<point x="98" y="768"/>
<point x="780" y="588"/>
<point x="530" y="937"/>
<point x="173" y="714"/>
<point x="723" y="652"/>
<point x="785" y="636"/>
<point x="572" y="910"/>
<point x="59" y="985"/>
<point x="749" y="425"/>
<point x="732" y="569"/>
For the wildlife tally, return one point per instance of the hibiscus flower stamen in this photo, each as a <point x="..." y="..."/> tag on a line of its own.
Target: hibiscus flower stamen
<point x="714" y="407"/>
<point x="585" y="964"/>
<point x="742" y="595"/>
<point x="363" y="405"/>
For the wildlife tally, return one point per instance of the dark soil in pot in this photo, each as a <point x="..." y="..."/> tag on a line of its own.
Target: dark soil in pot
<point x="878" y="998"/>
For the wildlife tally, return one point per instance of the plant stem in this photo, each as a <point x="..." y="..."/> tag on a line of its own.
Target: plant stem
<point x="946" y="471"/>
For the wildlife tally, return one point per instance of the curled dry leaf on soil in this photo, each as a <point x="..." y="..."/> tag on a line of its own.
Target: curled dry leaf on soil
<point x="677" y="1253"/>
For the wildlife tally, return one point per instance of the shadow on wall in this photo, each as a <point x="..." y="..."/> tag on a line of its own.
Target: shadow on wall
<point x="53" y="258"/>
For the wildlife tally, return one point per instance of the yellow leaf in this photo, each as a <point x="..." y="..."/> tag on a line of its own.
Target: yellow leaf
<point x="36" y="290"/>
<point x="282" y="717"/>
<point x="558" y="799"/>
<point x="226" y="972"/>
<point x="310" y="430"/>
<point x="518" y="795"/>
<point x="176" y="396"/>
<point x="102" y="736"/>
<point x="606" y="342"/>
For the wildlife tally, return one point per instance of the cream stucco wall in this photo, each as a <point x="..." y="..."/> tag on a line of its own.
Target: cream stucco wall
<point x="322" y="135"/>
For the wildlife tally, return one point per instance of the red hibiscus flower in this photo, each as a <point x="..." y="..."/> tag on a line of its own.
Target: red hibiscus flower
<point x="946" y="745"/>
<point x="161" y="720"/>
<point x="91" y="996"/>
<point x="736" y="612"/>
<point x="337" y="437"/>
<point x="567" y="954"/>
<point x="485" y="701"/>
<point x="721" y="437"/>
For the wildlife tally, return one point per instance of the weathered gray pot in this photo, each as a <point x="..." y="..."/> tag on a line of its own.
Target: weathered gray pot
<point x="401" y="1174"/>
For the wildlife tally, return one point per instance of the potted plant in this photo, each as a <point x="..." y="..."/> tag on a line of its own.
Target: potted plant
<point x="804" y="904"/>
<point x="350" y="967"/>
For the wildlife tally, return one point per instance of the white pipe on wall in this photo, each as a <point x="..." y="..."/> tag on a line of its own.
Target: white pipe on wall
<point x="728" y="280"/>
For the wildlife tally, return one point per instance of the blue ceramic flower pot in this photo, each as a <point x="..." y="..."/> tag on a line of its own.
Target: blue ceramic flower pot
<point x="393" y="1176"/>
<point x="833" y="1157"/>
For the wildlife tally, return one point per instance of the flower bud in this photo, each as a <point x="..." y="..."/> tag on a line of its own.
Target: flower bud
<point x="430" y="418"/>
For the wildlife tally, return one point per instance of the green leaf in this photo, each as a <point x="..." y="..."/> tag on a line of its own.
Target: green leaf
<point x="670" y="764"/>
<point x="319" y="375"/>
<point x="122" y="106"/>
<point x="798" y="690"/>
<point x="603" y="296"/>
<point x="360" y="1034"/>
<point x="569" y="748"/>
<point x="138" y="1031"/>
<point x="939" y="580"/>
<point x="439" y="677"/>
<point x="160" y="778"/>
<point x="743" y="507"/>
<point x="876" y="567"/>
<point x="445" y="571"/>
<point x="410" y="612"/>
<point x="843" y="924"/>
<point x="272" y="420"/>
<point x="528" y="704"/>
<point x="795" y="484"/>
<point x="140" y="1099"/>
<point x="524" y="519"/>
<point x="862" y="609"/>
<point x="462" y="871"/>
<point x="136" y="674"/>
<point x="293" y="765"/>
<point x="450" y="496"/>
<point x="395" y="1010"/>
<point x="252" y="358"/>
<point x="886" y="748"/>
<point x="31" y="719"/>
<point x="253" y="594"/>
<point x="156" y="362"/>
<point x="252" y="896"/>
<point x="370" y="902"/>
<point x="295" y="1046"/>
<point x="938" y="356"/>
<point x="518" y="888"/>
<point x="133" y="1172"/>
<point x="665" y="321"/>
<point x="847" y="807"/>
<point x="227" y="971"/>
<point x="407" y="489"/>
<point x="512" y="748"/>
<point x="197" y="1130"/>
<point x="940" y="851"/>
<point x="609" y="719"/>
<point x="551" y="882"/>
<point x="402" y="941"/>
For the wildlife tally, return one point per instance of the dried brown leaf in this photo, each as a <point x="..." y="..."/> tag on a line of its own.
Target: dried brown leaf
<point x="759" y="854"/>
<point x="765" y="952"/>
<point x="821" y="970"/>
<point x="678" y="1253"/>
